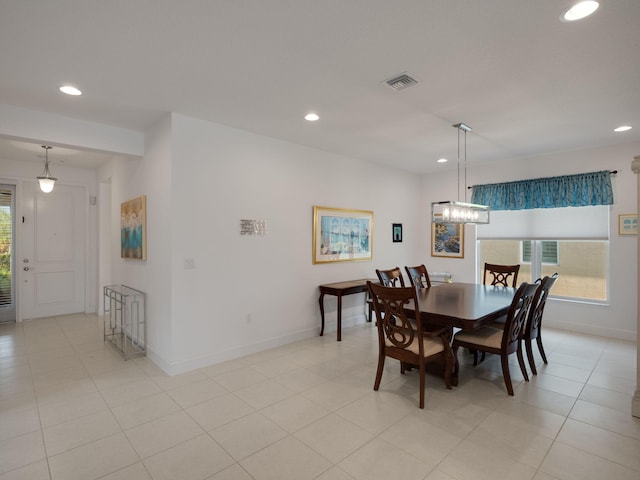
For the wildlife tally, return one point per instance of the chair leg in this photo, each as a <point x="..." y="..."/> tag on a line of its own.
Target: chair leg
<point x="421" y="384"/>
<point x="370" y="313"/>
<point x="456" y="364"/>
<point x="403" y="368"/>
<point x="539" y="342"/>
<point x="532" y="362"/>
<point x="448" y="367"/>
<point x="506" y="374"/>
<point x="523" y="367"/>
<point x="376" y="385"/>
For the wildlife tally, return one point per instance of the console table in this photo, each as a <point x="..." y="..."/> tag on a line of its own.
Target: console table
<point x="340" y="289"/>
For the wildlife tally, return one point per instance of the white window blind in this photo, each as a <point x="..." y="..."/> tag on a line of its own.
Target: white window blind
<point x="548" y="223"/>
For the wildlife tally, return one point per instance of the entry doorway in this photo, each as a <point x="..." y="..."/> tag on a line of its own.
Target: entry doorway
<point x="7" y="255"/>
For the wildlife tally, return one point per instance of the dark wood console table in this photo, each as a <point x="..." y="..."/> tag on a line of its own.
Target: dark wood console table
<point x="341" y="289"/>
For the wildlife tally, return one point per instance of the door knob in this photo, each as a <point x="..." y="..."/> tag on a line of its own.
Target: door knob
<point x="26" y="269"/>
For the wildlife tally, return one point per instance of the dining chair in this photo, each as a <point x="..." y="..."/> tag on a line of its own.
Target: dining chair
<point x="391" y="278"/>
<point x="418" y="276"/>
<point x="534" y="322"/>
<point x="501" y="342"/>
<point x="499" y="274"/>
<point x="403" y="338"/>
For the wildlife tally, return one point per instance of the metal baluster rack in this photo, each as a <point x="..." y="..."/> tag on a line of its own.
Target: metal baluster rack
<point x="125" y="326"/>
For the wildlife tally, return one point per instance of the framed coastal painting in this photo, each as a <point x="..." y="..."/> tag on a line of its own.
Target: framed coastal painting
<point x="628" y="224"/>
<point x="341" y="235"/>
<point x="447" y="240"/>
<point x="133" y="228"/>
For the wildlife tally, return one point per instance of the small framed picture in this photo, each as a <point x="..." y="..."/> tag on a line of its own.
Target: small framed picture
<point x="447" y="240"/>
<point x="397" y="232"/>
<point x="628" y="224"/>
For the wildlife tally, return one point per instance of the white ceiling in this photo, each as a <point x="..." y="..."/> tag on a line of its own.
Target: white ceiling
<point x="526" y="82"/>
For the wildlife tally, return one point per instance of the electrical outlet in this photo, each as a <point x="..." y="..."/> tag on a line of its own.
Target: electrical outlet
<point x="189" y="263"/>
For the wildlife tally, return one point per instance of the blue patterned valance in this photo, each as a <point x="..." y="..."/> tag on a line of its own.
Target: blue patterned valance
<point x="567" y="191"/>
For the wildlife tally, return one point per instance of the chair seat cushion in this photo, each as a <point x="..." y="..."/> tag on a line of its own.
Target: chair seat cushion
<point x="485" y="336"/>
<point x="431" y="346"/>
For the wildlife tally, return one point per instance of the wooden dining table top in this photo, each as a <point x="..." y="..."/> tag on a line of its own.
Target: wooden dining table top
<point x="463" y="305"/>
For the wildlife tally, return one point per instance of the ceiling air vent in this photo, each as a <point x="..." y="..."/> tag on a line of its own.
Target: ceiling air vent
<point x="401" y="82"/>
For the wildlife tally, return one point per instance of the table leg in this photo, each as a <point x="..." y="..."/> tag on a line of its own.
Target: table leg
<point x="339" y="317"/>
<point x="321" y="302"/>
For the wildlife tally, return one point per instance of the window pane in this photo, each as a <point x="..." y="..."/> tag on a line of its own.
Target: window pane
<point x="504" y="252"/>
<point x="582" y="270"/>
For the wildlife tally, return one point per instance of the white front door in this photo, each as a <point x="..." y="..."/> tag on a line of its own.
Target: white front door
<point x="51" y="266"/>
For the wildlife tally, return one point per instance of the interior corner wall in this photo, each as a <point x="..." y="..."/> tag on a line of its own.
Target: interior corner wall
<point x="150" y="176"/>
<point x="618" y="318"/>
<point x="248" y="293"/>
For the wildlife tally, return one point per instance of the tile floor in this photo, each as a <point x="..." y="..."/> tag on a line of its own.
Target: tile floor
<point x="70" y="408"/>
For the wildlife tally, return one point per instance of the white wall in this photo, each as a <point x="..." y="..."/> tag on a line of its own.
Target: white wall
<point x="247" y="293"/>
<point x="618" y="319"/>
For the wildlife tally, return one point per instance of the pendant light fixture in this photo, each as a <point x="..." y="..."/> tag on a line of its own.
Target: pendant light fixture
<point x="457" y="211"/>
<point x="47" y="181"/>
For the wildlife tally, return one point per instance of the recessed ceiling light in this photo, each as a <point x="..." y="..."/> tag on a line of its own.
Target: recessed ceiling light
<point x="580" y="10"/>
<point x="70" y="90"/>
<point x="442" y="160"/>
<point x="311" y="117"/>
<point x="622" y="128"/>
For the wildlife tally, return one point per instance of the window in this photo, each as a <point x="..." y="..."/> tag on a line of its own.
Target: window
<point x="572" y="241"/>
<point x="549" y="251"/>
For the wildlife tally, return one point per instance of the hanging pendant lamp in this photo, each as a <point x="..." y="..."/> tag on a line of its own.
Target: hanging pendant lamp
<point x="455" y="211"/>
<point x="47" y="181"/>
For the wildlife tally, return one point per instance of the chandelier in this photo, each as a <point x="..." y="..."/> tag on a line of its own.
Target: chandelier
<point x="455" y="211"/>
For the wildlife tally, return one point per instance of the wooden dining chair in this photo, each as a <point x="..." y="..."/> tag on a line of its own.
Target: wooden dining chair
<point x="403" y="338"/>
<point x="418" y="276"/>
<point x="391" y="278"/>
<point x="499" y="274"/>
<point x="501" y="342"/>
<point x="534" y="322"/>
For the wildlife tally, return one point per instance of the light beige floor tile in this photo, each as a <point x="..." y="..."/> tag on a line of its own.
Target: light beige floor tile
<point x="607" y="398"/>
<point x="335" y="473"/>
<point x="145" y="410"/>
<point x="17" y="452"/>
<point x="121" y="376"/>
<point x="568" y="463"/>
<point x="564" y="386"/>
<point x="294" y="413"/>
<point x="64" y="392"/>
<point x="483" y="462"/>
<point x="241" y="378"/>
<point x="16" y="386"/>
<point x="18" y="421"/>
<point x="622" y="385"/>
<point x="93" y="460"/>
<point x="381" y="460"/>
<point x="423" y="440"/>
<point x="544" y="399"/>
<point x="565" y="371"/>
<point x="288" y="459"/>
<point x="54" y="413"/>
<point x="219" y="410"/>
<point x="167" y="382"/>
<point x="299" y="380"/>
<point x="246" y="435"/>
<point x="260" y="395"/>
<point x="196" y="392"/>
<point x="336" y="393"/>
<point x="522" y="416"/>
<point x="195" y="459"/>
<point x="162" y="433"/>
<point x="34" y="471"/>
<point x="79" y="431"/>
<point x="130" y="392"/>
<point x="607" y="418"/>
<point x="612" y="446"/>
<point x="374" y="414"/>
<point x="333" y="437"/>
<point x="137" y="471"/>
<point x="234" y="472"/>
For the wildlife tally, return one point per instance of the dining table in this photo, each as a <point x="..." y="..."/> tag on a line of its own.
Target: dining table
<point x="467" y="306"/>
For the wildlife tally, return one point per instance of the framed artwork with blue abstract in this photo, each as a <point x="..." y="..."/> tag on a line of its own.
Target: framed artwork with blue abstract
<point x="133" y="228"/>
<point x="341" y="235"/>
<point x="447" y="240"/>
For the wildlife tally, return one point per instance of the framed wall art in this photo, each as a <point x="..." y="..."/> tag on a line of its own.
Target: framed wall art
<point x="133" y="228"/>
<point x="628" y="224"/>
<point x="341" y="235"/>
<point x="397" y="232"/>
<point x="447" y="240"/>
